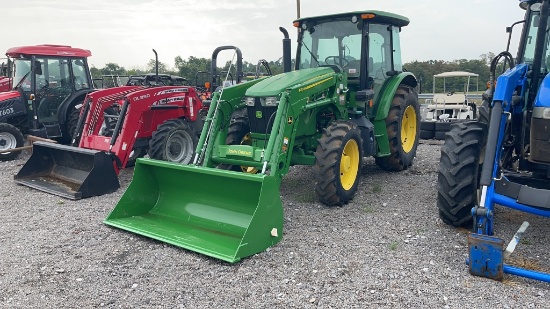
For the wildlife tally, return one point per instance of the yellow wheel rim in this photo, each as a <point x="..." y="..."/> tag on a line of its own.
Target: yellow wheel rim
<point x="408" y="129"/>
<point x="247" y="140"/>
<point x="349" y="164"/>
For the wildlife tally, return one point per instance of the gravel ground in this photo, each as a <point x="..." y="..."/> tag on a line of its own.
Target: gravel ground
<point x="386" y="249"/>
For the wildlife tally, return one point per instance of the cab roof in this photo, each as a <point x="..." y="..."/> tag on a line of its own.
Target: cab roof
<point x="48" y="50"/>
<point x="379" y="16"/>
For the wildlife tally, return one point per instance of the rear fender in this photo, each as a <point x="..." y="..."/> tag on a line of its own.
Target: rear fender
<point x="543" y="96"/>
<point x="384" y="99"/>
<point x="382" y="108"/>
<point x="67" y="106"/>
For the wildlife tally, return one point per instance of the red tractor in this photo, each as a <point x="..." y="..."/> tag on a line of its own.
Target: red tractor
<point x="47" y="82"/>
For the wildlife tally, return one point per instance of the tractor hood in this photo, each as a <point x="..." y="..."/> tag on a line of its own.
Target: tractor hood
<point x="9" y="95"/>
<point x="274" y="85"/>
<point x="5" y="83"/>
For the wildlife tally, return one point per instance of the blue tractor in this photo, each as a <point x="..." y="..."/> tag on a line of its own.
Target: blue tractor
<point x="504" y="157"/>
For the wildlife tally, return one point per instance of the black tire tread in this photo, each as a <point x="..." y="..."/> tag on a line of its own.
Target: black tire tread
<point x="160" y="136"/>
<point x="458" y="173"/>
<point x="327" y="166"/>
<point x="72" y="122"/>
<point x="20" y="141"/>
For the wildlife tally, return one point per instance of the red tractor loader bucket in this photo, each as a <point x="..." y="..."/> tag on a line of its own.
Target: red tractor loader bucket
<point x="70" y="172"/>
<point x="222" y="214"/>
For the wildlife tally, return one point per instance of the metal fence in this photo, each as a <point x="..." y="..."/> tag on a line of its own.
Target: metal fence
<point x="471" y="96"/>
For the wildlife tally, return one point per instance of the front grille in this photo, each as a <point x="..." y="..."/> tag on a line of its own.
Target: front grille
<point x="540" y="140"/>
<point x="260" y="117"/>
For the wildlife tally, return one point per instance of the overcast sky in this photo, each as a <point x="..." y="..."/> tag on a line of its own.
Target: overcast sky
<point x="125" y="31"/>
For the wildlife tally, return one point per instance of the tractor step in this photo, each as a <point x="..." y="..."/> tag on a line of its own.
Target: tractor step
<point x="486" y="256"/>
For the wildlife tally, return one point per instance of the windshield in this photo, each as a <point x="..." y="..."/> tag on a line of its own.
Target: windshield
<point x="21" y="75"/>
<point x="531" y="40"/>
<point x="332" y="43"/>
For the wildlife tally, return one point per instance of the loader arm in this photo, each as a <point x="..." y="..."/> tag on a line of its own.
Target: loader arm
<point x="508" y="82"/>
<point x="218" y="117"/>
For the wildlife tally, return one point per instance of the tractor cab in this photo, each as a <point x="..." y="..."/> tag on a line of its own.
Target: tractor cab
<point x="49" y="79"/>
<point x="364" y="45"/>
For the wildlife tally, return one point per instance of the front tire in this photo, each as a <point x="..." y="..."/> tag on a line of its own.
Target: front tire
<point x="173" y="141"/>
<point x="10" y="138"/>
<point x="459" y="172"/>
<point x="403" y="129"/>
<point x="338" y="161"/>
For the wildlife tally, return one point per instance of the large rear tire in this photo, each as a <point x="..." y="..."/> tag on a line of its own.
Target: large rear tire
<point x="10" y="138"/>
<point x="136" y="153"/>
<point x="459" y="172"/>
<point x="403" y="129"/>
<point x="484" y="112"/>
<point x="338" y="163"/>
<point x="72" y="122"/>
<point x="173" y="141"/>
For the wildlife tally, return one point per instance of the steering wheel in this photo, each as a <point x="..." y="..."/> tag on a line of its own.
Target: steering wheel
<point x="451" y="93"/>
<point x="336" y="61"/>
<point x="79" y="82"/>
<point x="45" y="88"/>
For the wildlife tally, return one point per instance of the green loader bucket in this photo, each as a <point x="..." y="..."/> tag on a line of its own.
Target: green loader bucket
<point x="223" y="214"/>
<point x="70" y="172"/>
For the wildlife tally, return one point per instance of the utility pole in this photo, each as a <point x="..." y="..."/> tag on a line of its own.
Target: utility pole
<point x="297" y="9"/>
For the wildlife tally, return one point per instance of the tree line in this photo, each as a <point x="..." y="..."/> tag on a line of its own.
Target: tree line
<point x="423" y="70"/>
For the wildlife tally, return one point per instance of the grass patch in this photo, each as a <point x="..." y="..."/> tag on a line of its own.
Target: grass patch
<point x="368" y="209"/>
<point x="393" y="245"/>
<point x="376" y="188"/>
<point x="308" y="197"/>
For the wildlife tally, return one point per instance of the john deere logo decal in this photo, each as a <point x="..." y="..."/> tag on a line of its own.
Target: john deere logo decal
<point x="258" y="114"/>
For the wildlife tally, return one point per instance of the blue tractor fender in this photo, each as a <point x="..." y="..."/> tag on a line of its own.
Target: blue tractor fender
<point x="543" y="95"/>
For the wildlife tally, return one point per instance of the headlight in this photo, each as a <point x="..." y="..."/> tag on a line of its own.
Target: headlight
<point x="249" y="101"/>
<point x="269" y="101"/>
<point x="541" y="112"/>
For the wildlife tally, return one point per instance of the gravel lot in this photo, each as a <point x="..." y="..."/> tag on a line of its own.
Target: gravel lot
<point x="386" y="249"/>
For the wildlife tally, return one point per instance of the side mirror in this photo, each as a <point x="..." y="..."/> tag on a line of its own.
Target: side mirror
<point x="37" y="67"/>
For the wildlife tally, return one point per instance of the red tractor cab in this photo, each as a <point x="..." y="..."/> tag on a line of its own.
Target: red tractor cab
<point x="46" y="82"/>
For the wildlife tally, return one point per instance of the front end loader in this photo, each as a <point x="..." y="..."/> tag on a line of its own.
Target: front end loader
<point x="347" y="98"/>
<point x="115" y="127"/>
<point x="504" y="157"/>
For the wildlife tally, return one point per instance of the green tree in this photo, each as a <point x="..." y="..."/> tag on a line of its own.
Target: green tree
<point x="188" y="68"/>
<point x="95" y="72"/>
<point x="112" y="69"/>
<point x="163" y="67"/>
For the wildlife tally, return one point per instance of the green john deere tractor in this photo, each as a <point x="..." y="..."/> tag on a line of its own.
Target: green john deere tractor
<point x="346" y="99"/>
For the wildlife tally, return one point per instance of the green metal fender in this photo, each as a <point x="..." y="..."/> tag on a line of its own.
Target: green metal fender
<point x="383" y="103"/>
